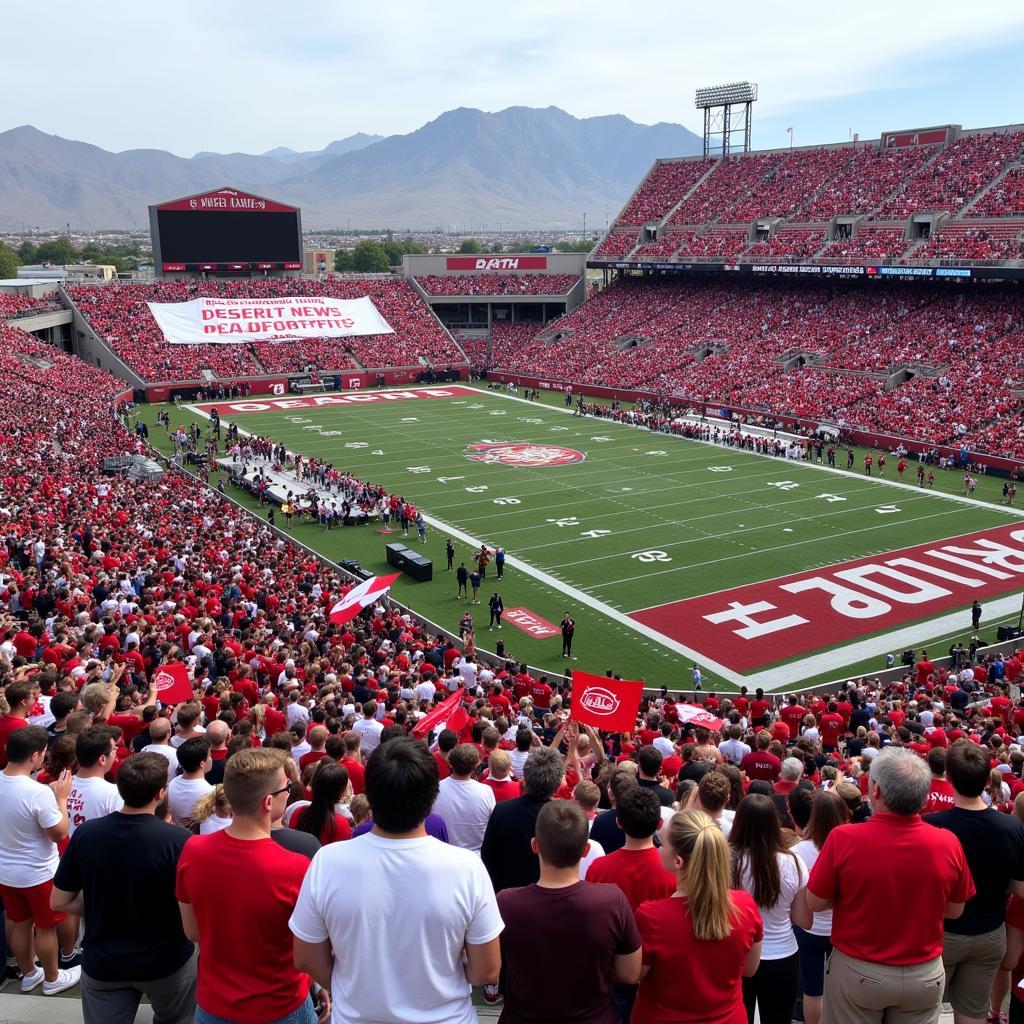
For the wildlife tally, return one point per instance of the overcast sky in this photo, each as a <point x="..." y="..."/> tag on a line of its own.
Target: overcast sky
<point x="232" y="76"/>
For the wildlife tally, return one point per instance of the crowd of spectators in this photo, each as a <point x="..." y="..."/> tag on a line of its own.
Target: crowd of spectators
<point x="729" y="341"/>
<point x="1005" y="198"/>
<point x="497" y="284"/>
<point x="788" y="244"/>
<point x="868" y="243"/>
<point x="957" y="174"/>
<point x="344" y="769"/>
<point x="814" y="185"/>
<point x="617" y="244"/>
<point x="733" y="177"/>
<point x="667" y="183"/>
<point x="582" y="872"/>
<point x="967" y="240"/>
<point x="119" y="315"/>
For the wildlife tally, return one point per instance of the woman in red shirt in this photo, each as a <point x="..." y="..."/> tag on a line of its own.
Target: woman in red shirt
<point x="320" y="818"/>
<point x="704" y="924"/>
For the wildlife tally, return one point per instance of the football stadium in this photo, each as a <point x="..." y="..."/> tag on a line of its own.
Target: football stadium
<point x="507" y="595"/>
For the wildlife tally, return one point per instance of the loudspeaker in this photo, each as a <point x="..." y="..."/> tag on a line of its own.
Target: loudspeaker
<point x="1007" y="633"/>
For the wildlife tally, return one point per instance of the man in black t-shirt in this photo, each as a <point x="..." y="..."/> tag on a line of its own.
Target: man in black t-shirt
<point x="974" y="944"/>
<point x="118" y="871"/>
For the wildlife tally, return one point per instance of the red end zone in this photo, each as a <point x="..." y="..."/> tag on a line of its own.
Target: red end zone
<point x="345" y="398"/>
<point x="753" y="626"/>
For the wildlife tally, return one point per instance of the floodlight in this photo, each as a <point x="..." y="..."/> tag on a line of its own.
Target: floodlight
<point x="732" y="92"/>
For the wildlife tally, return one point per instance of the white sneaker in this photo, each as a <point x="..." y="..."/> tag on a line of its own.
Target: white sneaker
<point x="33" y="980"/>
<point x="65" y="980"/>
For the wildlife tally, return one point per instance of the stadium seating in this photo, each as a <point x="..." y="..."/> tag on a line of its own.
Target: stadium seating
<point x="119" y="314"/>
<point x="724" y="341"/>
<point x="718" y="192"/>
<point x="957" y="174"/>
<point x="667" y="183"/>
<point x="789" y="245"/>
<point x="716" y="241"/>
<point x="1005" y="198"/>
<point x="497" y="284"/>
<point x="868" y="177"/>
<point x="785" y="188"/>
<point x="868" y="243"/>
<point x="616" y="245"/>
<point x="973" y="240"/>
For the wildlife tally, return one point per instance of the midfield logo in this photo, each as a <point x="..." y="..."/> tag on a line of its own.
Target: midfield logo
<point x="513" y="454"/>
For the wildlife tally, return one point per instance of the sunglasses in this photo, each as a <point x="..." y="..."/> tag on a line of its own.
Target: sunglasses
<point x="283" y="789"/>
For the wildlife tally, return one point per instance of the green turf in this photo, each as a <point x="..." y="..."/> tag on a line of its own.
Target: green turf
<point x="716" y="514"/>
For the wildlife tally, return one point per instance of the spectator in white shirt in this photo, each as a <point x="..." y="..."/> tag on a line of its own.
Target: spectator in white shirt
<point x="91" y="795"/>
<point x="734" y="749"/>
<point x="296" y="711"/>
<point x="160" y="734"/>
<point x="425" y="690"/>
<point x="368" y="729"/>
<point x="33" y="819"/>
<point x="300" y="745"/>
<point x="468" y="671"/>
<point x="444" y="938"/>
<point x="185" y="789"/>
<point x="464" y="803"/>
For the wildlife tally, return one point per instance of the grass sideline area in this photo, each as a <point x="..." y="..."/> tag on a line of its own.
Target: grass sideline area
<point x="706" y="516"/>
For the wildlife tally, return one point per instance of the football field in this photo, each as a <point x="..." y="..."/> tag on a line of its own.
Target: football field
<point x="666" y="551"/>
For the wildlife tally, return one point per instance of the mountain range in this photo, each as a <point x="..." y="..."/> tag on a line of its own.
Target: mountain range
<point x="520" y="167"/>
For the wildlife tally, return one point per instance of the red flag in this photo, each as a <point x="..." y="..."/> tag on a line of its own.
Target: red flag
<point x="173" y="684"/>
<point x="609" y="704"/>
<point x="447" y="710"/>
<point x="694" y="714"/>
<point x="359" y="597"/>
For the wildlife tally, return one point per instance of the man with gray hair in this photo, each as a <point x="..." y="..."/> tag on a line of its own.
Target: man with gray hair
<point x="506" y="849"/>
<point x="895" y="972"/>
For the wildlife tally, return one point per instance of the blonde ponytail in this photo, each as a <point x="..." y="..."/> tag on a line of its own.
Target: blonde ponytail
<point x="695" y="837"/>
<point x="213" y="802"/>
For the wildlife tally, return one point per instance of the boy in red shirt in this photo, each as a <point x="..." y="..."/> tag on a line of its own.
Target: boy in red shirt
<point x="636" y="868"/>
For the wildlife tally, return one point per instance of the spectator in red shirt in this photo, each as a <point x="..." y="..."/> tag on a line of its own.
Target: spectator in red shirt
<point x="256" y="786"/>
<point x="759" y="708"/>
<point x="21" y="697"/>
<point x="760" y="763"/>
<point x="499" y="777"/>
<point x="320" y="819"/>
<point x="832" y="728"/>
<point x="636" y="868"/>
<point x="881" y="973"/>
<point x="940" y="793"/>
<point x="353" y="761"/>
<point x="703" y="922"/>
<point x="317" y="743"/>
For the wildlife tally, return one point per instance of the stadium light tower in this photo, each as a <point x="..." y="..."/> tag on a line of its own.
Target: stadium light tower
<point x="720" y="120"/>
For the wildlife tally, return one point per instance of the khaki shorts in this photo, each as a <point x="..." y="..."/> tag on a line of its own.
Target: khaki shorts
<point x="971" y="963"/>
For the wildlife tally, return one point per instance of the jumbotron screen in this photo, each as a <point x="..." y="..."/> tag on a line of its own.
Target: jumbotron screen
<point x="228" y="236"/>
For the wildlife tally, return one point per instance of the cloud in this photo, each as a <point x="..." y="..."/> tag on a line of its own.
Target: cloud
<point x="249" y="76"/>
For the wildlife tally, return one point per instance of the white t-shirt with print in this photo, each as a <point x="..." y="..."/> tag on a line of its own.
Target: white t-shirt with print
<point x="91" y="798"/>
<point x="438" y="897"/>
<point x="27" y="857"/>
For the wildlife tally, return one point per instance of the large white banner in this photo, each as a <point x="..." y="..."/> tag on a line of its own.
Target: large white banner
<point x="209" y="320"/>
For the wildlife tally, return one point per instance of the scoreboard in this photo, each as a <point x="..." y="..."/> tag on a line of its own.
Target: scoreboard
<point x="225" y="231"/>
